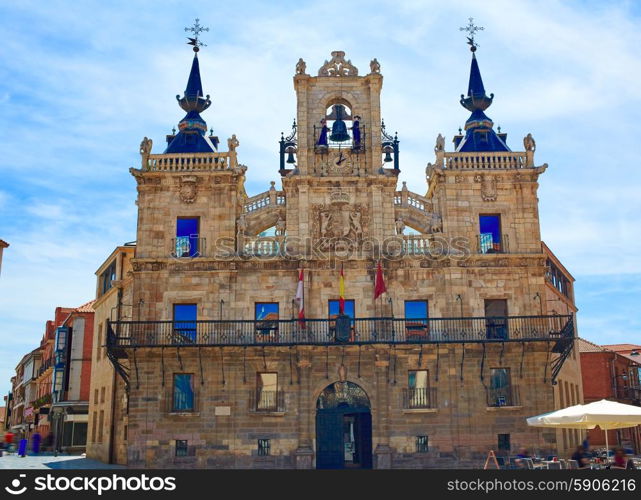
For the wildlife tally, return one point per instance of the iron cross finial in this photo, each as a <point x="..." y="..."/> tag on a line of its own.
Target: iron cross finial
<point x="471" y="29"/>
<point x="196" y="29"/>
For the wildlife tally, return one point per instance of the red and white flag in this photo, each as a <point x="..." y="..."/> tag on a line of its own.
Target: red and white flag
<point x="299" y="299"/>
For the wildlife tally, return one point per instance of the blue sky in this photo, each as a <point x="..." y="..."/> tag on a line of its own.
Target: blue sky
<point x="82" y="82"/>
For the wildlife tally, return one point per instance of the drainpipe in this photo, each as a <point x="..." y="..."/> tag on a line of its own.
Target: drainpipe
<point x="112" y="426"/>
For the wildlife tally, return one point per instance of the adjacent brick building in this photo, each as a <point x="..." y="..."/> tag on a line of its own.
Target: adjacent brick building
<point x="474" y="333"/>
<point x="612" y="372"/>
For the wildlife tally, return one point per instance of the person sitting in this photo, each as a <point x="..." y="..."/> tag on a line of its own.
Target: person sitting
<point x="520" y="459"/>
<point x="621" y="460"/>
<point x="581" y="457"/>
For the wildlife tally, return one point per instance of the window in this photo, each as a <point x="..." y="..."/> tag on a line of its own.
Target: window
<point x="185" y="317"/>
<point x="422" y="444"/>
<point x="102" y="395"/>
<point x="334" y="308"/>
<point x="501" y="393"/>
<point x="107" y="278"/>
<point x="263" y="447"/>
<point x="490" y="240"/>
<point x="187" y="241"/>
<point x="557" y="279"/>
<point x="182" y="448"/>
<point x="183" y="397"/>
<point x="496" y="318"/>
<point x="99" y="350"/>
<point x="95" y="396"/>
<point x="74" y="434"/>
<point x="416" y="325"/>
<point x="418" y="391"/>
<point x="504" y="443"/>
<point x="101" y="424"/>
<point x="266" y="315"/>
<point x="267" y="392"/>
<point x="93" y="426"/>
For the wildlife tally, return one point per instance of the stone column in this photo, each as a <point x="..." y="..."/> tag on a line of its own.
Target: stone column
<point x="304" y="454"/>
<point x="383" y="452"/>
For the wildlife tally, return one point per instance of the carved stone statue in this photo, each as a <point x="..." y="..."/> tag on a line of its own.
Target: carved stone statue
<point x="301" y="66"/>
<point x="529" y="143"/>
<point x="374" y="66"/>
<point x="241" y="227"/>
<point x="400" y="225"/>
<point x="145" y="146"/>
<point x="337" y="66"/>
<point x="355" y="221"/>
<point x="436" y="224"/>
<point x="440" y="143"/>
<point x="280" y="226"/>
<point x="233" y="143"/>
<point x="325" y="219"/>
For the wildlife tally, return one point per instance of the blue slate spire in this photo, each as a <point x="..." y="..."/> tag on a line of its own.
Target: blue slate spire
<point x="191" y="137"/>
<point x="479" y="128"/>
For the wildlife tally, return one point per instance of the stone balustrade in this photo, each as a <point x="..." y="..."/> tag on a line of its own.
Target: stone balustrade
<point x="271" y="198"/>
<point x="189" y="162"/>
<point x="485" y="161"/>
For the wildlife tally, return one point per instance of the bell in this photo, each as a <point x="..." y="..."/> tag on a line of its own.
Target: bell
<point x="290" y="156"/>
<point x="339" y="129"/>
<point x="388" y="154"/>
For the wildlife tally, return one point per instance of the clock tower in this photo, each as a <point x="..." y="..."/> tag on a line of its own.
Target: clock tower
<point x="339" y="164"/>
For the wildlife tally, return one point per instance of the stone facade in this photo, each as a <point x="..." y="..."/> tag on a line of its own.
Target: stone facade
<point x="340" y="206"/>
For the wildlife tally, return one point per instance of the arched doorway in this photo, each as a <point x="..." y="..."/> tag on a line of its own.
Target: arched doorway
<point x="343" y="427"/>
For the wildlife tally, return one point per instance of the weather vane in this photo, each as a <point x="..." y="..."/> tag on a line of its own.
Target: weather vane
<point x="471" y="28"/>
<point x="196" y="29"/>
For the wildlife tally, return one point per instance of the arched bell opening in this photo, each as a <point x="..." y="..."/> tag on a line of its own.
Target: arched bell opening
<point x="340" y="128"/>
<point x="343" y="427"/>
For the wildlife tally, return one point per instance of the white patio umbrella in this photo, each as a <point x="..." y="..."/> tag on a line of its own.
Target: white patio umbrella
<point x="606" y="414"/>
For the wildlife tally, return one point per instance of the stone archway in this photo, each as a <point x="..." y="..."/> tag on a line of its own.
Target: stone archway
<point x="343" y="427"/>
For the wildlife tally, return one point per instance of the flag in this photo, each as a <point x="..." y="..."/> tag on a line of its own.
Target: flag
<point x="379" y="282"/>
<point x="300" y="292"/>
<point x="341" y="292"/>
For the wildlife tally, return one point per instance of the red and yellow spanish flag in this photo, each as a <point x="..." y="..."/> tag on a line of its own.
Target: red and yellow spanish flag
<point x="341" y="292"/>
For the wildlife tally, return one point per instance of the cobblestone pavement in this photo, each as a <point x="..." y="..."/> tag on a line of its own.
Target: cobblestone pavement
<point x="50" y="462"/>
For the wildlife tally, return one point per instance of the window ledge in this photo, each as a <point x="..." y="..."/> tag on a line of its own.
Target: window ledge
<point x="504" y="408"/>
<point x="420" y="410"/>
<point x="268" y="413"/>
<point x="184" y="414"/>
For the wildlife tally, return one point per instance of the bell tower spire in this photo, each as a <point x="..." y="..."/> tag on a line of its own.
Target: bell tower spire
<point x="479" y="132"/>
<point x="191" y="137"/>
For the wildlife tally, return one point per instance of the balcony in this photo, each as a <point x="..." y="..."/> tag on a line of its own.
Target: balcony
<point x="419" y="398"/>
<point x="503" y="396"/>
<point x="630" y="394"/>
<point x="266" y="401"/>
<point x="485" y="244"/>
<point x="134" y="334"/>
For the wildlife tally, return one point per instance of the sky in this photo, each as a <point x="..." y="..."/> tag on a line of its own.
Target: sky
<point x="81" y="83"/>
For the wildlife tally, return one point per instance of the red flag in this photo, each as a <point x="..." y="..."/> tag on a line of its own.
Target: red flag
<point x="300" y="291"/>
<point x="379" y="282"/>
<point x="341" y="292"/>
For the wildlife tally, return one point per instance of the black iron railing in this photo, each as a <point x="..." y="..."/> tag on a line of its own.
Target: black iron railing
<point x="503" y="396"/>
<point x="415" y="398"/>
<point x="126" y="334"/>
<point x="268" y="401"/>
<point x="486" y="244"/>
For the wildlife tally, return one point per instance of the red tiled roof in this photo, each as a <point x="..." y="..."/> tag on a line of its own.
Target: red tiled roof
<point x="86" y="307"/>
<point x="623" y="347"/>
<point x="587" y="346"/>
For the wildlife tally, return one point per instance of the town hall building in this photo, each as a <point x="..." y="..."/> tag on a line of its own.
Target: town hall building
<point x="336" y="320"/>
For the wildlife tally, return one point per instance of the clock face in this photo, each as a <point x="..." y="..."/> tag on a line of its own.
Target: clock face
<point x="341" y="162"/>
